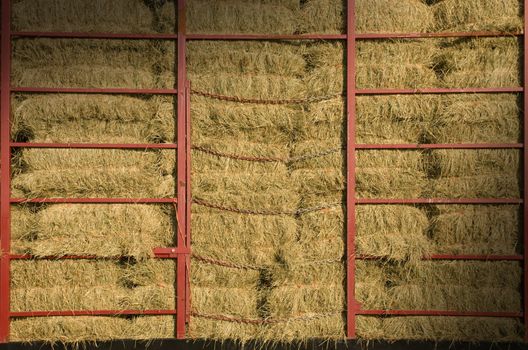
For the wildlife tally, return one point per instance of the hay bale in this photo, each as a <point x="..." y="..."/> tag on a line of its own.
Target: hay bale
<point x="492" y="118"/>
<point x="476" y="173"/>
<point x="322" y="121"/>
<point x="480" y="62"/>
<point x="104" y="230"/>
<point x="235" y="16"/>
<point x="386" y="16"/>
<point x="78" y="330"/>
<point x="92" y="118"/>
<point x="333" y="12"/>
<point x="476" y="229"/>
<point x="121" y="16"/>
<point x="395" y="64"/>
<point x="94" y="173"/>
<point x="475" y="15"/>
<point x="66" y="285"/>
<point x="93" y="63"/>
<point x="395" y="119"/>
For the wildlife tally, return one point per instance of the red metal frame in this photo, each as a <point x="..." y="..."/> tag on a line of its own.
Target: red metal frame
<point x="92" y="313"/>
<point x="442" y="146"/>
<point x="95" y="145"/>
<point x="525" y="173"/>
<point x="122" y="91"/>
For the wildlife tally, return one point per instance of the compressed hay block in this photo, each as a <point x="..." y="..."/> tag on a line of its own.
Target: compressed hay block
<point x="480" y="62"/>
<point x="94" y="173"/>
<point x="92" y="285"/>
<point x="387" y="16"/>
<point x="115" y="16"/>
<point x="93" y="118"/>
<point x="333" y="12"/>
<point x="475" y="15"/>
<point x="476" y="173"/>
<point x="390" y="174"/>
<point x="105" y="230"/>
<point x="395" y="119"/>
<point x="269" y="127"/>
<point x="213" y="329"/>
<point x="329" y="326"/>
<point x="395" y="64"/>
<point x="325" y="74"/>
<point x="93" y="63"/>
<point x="235" y="16"/>
<point x="91" y="328"/>
<point x="476" y="229"/>
<point x="320" y="121"/>
<point x="477" y="119"/>
<point x="452" y="329"/>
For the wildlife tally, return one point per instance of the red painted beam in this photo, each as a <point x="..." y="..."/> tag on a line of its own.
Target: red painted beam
<point x="5" y="170"/>
<point x="95" y="145"/>
<point x="439" y="91"/>
<point x="440" y="201"/>
<point x="351" y="304"/>
<point x="266" y="36"/>
<point x="440" y="313"/>
<point x="525" y="175"/>
<point x="85" y="35"/>
<point x="455" y="257"/>
<point x="124" y="91"/>
<point x="481" y="34"/>
<point x="189" y="200"/>
<point x="443" y="146"/>
<point x="95" y="200"/>
<point x="91" y="313"/>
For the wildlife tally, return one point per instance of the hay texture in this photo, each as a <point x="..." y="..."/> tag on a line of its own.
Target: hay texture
<point x="93" y="118"/>
<point x="93" y="63"/>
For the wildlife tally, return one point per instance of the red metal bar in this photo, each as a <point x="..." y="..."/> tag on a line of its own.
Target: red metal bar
<point x="440" y="313"/>
<point x="91" y="313"/>
<point x="124" y="91"/>
<point x="159" y="253"/>
<point x="481" y="34"/>
<point x="95" y="145"/>
<point x="440" y="201"/>
<point x="352" y="305"/>
<point x="5" y="171"/>
<point x="94" y="200"/>
<point x="455" y="257"/>
<point x="442" y="146"/>
<point x="181" y="241"/>
<point x="525" y="175"/>
<point x="85" y="35"/>
<point x="439" y="91"/>
<point x="266" y="36"/>
<point x="189" y="199"/>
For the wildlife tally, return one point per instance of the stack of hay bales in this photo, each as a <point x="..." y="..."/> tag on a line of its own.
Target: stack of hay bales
<point x="239" y="246"/>
<point x="136" y="281"/>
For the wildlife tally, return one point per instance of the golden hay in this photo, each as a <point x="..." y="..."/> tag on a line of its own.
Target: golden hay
<point x="480" y="62"/>
<point x="235" y="16"/>
<point x="492" y="118"/>
<point x="476" y="173"/>
<point x="87" y="328"/>
<point x="476" y="229"/>
<point x="475" y="15"/>
<point x="93" y="118"/>
<point x="100" y="229"/>
<point x="82" y="16"/>
<point x="93" y="63"/>
<point x="94" y="173"/>
<point x="395" y="64"/>
<point x="387" y="16"/>
<point x="333" y="12"/>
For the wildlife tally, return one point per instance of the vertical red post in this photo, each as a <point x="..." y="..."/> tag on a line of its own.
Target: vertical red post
<point x="351" y="169"/>
<point x="181" y="175"/>
<point x="5" y="166"/>
<point x="525" y="171"/>
<point x="189" y="197"/>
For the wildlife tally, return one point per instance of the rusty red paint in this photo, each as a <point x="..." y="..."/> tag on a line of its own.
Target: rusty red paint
<point x="81" y="35"/>
<point x="96" y="145"/>
<point x="124" y="91"/>
<point x="525" y="175"/>
<point x="440" y="201"/>
<point x="439" y="91"/>
<point x="96" y="200"/>
<point x="443" y="146"/>
<point x="439" y="313"/>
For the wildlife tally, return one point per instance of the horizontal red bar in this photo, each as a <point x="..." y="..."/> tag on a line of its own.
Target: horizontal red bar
<point x="91" y="313"/>
<point x="456" y="257"/>
<point x="266" y="36"/>
<point x="434" y="35"/>
<point x="78" y="35"/>
<point x="439" y="313"/>
<point x="440" y="201"/>
<point x="437" y="91"/>
<point x="96" y="91"/>
<point x="96" y="145"/>
<point x="171" y="252"/>
<point x="94" y="200"/>
<point x="159" y="253"/>
<point x="441" y="146"/>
